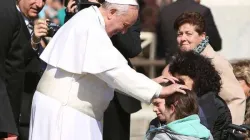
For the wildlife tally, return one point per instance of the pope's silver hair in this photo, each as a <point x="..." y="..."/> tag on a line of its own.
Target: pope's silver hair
<point x="121" y="8"/>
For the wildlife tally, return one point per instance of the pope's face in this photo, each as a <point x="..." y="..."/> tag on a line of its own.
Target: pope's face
<point x="31" y="8"/>
<point x="121" y="23"/>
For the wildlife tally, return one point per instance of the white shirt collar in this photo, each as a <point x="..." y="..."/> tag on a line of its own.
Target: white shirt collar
<point x="100" y="17"/>
<point x="26" y="20"/>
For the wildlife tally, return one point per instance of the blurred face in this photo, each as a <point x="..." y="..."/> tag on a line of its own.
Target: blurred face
<point x="198" y="1"/>
<point x="159" y="108"/>
<point x="120" y="23"/>
<point x="245" y="87"/>
<point x="31" y="8"/>
<point x="188" y="38"/>
<point x="186" y="79"/>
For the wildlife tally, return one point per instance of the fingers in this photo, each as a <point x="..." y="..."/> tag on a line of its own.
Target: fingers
<point x="172" y="79"/>
<point x="41" y="28"/>
<point x="73" y="9"/>
<point x="171" y="89"/>
<point x="70" y="7"/>
<point x="41" y="21"/>
<point x="184" y="87"/>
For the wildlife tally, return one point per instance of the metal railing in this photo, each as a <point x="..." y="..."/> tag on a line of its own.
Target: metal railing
<point x="148" y="40"/>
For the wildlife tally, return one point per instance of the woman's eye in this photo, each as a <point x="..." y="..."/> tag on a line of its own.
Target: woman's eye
<point x="179" y="34"/>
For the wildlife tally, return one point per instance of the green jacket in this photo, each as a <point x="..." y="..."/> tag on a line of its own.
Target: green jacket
<point x="188" y="128"/>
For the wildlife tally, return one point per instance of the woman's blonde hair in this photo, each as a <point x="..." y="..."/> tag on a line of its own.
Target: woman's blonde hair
<point x="241" y="69"/>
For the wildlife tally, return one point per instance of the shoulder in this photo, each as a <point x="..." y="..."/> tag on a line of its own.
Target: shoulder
<point x="154" y="123"/>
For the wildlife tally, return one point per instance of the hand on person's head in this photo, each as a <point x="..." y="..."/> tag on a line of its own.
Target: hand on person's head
<point x="71" y="7"/>
<point x="171" y="89"/>
<point x="165" y="79"/>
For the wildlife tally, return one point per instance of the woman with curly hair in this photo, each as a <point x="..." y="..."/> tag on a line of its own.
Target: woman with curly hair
<point x="199" y="74"/>
<point x="191" y="35"/>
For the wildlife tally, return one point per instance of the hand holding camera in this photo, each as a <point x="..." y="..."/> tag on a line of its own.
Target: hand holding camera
<point x="40" y="30"/>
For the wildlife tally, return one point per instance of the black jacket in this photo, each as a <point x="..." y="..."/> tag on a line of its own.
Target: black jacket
<point x="33" y="72"/>
<point x="217" y="113"/>
<point x="166" y="35"/>
<point x="11" y="67"/>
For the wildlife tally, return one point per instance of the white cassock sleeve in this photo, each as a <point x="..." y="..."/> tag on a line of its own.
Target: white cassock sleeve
<point x="132" y="83"/>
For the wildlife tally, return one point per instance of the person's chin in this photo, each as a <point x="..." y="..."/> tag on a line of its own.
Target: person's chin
<point x="185" y="48"/>
<point x="161" y="117"/>
<point x="33" y="15"/>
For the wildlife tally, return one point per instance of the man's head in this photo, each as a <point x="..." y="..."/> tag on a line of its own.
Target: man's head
<point x="118" y="17"/>
<point x="30" y="8"/>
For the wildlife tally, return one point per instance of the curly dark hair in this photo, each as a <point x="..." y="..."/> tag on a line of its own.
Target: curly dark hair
<point x="193" y="18"/>
<point x="199" y="69"/>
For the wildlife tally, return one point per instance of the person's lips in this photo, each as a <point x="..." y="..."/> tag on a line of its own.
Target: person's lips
<point x="34" y="10"/>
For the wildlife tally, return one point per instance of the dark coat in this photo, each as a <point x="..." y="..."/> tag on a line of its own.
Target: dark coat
<point x="11" y="67"/>
<point x="217" y="113"/>
<point x="33" y="72"/>
<point x="166" y="35"/>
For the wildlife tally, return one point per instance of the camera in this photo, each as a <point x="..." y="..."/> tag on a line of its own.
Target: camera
<point x="53" y="28"/>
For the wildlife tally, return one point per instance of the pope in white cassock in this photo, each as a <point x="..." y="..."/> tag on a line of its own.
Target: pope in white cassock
<point x="83" y="70"/>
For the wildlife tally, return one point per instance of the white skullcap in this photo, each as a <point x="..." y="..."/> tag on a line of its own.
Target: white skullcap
<point x="125" y="2"/>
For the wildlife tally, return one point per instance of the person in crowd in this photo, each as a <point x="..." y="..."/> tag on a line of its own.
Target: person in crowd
<point x="58" y="6"/>
<point x="78" y="83"/>
<point x="166" y="34"/>
<point x="117" y="116"/>
<point x="191" y="35"/>
<point x="34" y="31"/>
<point x="182" y="121"/>
<point x="159" y="106"/>
<point x="199" y="74"/>
<point x="241" y="69"/>
<point x="11" y="68"/>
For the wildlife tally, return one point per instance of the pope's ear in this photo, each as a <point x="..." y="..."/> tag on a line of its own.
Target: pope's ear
<point x="111" y="13"/>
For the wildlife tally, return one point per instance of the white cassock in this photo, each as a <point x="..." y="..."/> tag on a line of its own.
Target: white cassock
<point x="83" y="70"/>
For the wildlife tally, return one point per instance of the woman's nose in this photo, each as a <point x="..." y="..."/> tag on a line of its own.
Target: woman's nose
<point x="183" y="37"/>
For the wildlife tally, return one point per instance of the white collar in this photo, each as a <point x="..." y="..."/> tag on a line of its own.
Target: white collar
<point x="26" y="20"/>
<point x="100" y="17"/>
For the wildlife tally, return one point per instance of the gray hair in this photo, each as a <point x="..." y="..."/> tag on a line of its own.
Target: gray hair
<point x="121" y="8"/>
